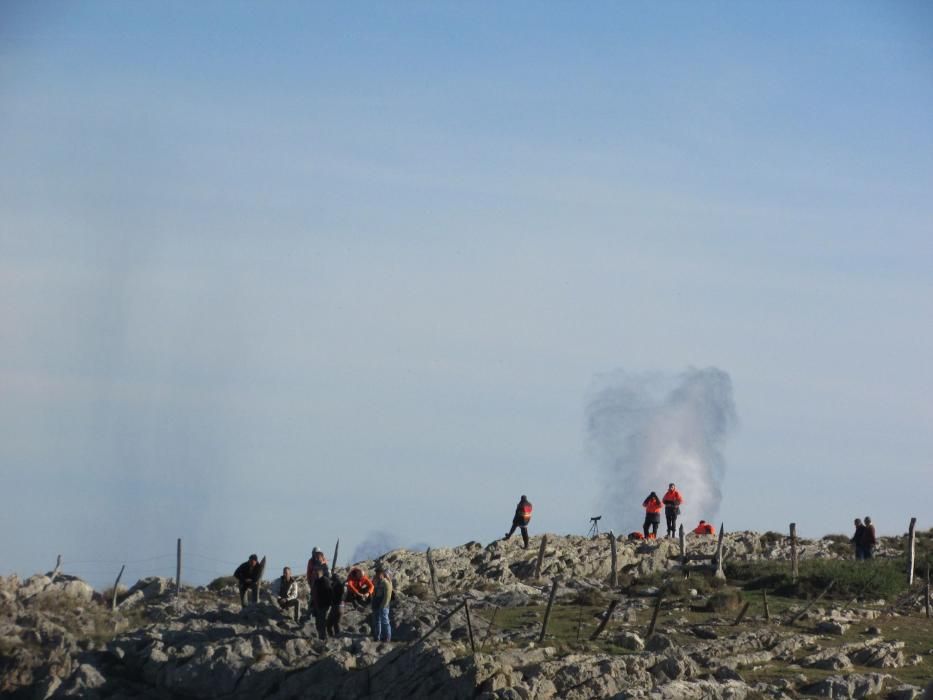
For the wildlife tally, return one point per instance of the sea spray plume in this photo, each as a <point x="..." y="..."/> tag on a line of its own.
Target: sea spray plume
<point x="378" y="543"/>
<point x="647" y="430"/>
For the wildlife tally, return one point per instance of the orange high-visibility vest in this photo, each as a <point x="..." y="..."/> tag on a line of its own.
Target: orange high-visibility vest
<point x="704" y="529"/>
<point x="652" y="506"/>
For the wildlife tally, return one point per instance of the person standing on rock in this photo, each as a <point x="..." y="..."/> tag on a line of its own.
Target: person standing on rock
<point x="672" y="501"/>
<point x="288" y="593"/>
<point x="247" y="576"/>
<point x="521" y="519"/>
<point x="336" y="605"/>
<point x="857" y="539"/>
<point x="320" y="601"/>
<point x="868" y="539"/>
<point x="652" y="506"/>
<point x="317" y="561"/>
<point x="382" y="598"/>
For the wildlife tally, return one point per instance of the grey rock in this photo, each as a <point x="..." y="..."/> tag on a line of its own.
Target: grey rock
<point x="849" y="686"/>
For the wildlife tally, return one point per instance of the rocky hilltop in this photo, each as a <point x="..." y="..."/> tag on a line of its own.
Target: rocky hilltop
<point x="666" y="629"/>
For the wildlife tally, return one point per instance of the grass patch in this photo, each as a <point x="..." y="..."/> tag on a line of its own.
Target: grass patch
<point x="879" y="578"/>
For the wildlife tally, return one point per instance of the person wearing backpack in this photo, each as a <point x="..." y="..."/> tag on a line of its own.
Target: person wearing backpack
<point x="521" y="519"/>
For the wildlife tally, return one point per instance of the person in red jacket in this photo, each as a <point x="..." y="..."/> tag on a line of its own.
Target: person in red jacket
<point x="359" y="587"/>
<point x="521" y="520"/>
<point x="672" y="501"/>
<point x="704" y="528"/>
<point x="652" y="506"/>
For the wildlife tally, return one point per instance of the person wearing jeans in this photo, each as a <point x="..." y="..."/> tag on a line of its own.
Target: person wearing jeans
<point x="382" y="628"/>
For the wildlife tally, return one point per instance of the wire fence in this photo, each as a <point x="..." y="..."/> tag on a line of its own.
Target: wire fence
<point x="101" y="573"/>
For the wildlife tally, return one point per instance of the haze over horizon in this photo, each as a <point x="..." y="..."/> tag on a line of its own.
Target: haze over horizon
<point x="274" y="275"/>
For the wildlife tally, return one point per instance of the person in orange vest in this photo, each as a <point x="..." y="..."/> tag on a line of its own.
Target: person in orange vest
<point x="636" y="535"/>
<point x="521" y="519"/>
<point x="359" y="587"/>
<point x="672" y="501"/>
<point x="704" y="528"/>
<point x="652" y="506"/>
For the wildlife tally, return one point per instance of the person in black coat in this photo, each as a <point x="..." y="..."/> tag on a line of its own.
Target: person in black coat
<point x="857" y="539"/>
<point x="521" y="519"/>
<point x="320" y="601"/>
<point x="247" y="576"/>
<point x="337" y="590"/>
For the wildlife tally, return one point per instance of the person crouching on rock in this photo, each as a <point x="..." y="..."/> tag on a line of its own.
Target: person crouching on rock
<point x="672" y="501"/>
<point x="359" y="587"/>
<point x="320" y="601"/>
<point x="336" y="605"/>
<point x="382" y="629"/>
<point x="704" y="528"/>
<point x="652" y="506"/>
<point x="521" y="519"/>
<point x="288" y="593"/>
<point x="247" y="576"/>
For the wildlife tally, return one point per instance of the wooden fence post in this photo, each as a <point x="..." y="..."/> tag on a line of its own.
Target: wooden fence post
<point x="811" y="603"/>
<point x="794" y="572"/>
<point x="683" y="547"/>
<point x="719" y="573"/>
<point x="113" y="602"/>
<point x="742" y="613"/>
<point x="911" y="551"/>
<point x="178" y="570"/>
<point x="57" y="569"/>
<point x="605" y="620"/>
<point x="466" y="607"/>
<point x="492" y="621"/>
<point x="927" y="603"/>
<point x="547" y="612"/>
<point x="654" y="615"/>
<point x="432" y="572"/>
<point x="333" y="562"/>
<point x="540" y="556"/>
<point x="613" y="577"/>
<point x="764" y="595"/>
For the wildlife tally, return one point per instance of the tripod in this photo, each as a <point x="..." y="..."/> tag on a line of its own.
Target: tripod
<point x="594" y="526"/>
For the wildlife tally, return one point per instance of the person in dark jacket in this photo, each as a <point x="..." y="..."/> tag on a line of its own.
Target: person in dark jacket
<point x="857" y="539"/>
<point x="521" y="519"/>
<point x="320" y="601"/>
<point x="337" y="590"/>
<point x="868" y="539"/>
<point x="672" y="502"/>
<point x="652" y="506"/>
<point x="247" y="576"/>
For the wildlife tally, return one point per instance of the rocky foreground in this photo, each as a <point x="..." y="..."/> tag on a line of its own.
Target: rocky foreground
<point x="58" y="638"/>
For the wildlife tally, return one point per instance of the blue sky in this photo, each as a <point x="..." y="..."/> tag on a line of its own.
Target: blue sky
<point x="271" y="276"/>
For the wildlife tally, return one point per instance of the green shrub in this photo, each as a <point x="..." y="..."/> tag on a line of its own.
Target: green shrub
<point x="219" y="584"/>
<point x="417" y="590"/>
<point x="724" y="600"/>
<point x="771" y="538"/>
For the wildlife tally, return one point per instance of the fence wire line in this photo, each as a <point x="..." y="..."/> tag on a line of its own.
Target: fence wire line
<point x="67" y="562"/>
<point x="215" y="559"/>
